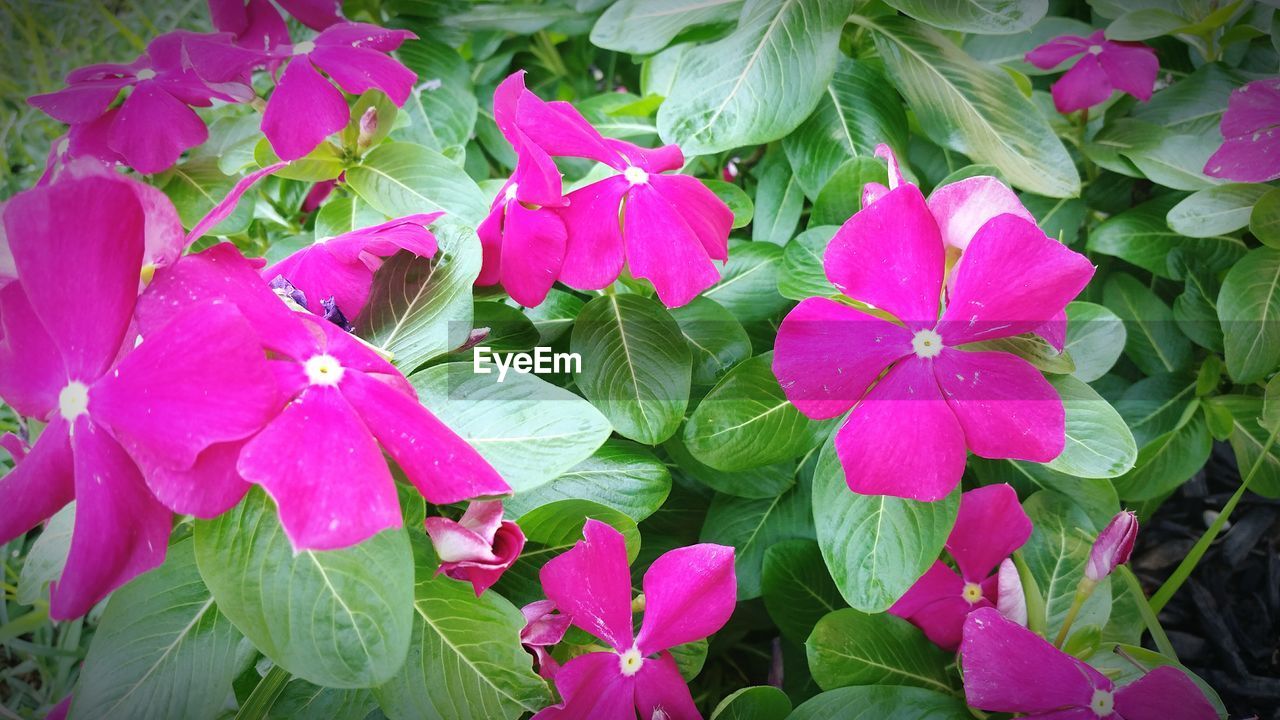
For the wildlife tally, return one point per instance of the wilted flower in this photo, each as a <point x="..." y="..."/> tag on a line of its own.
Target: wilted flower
<point x="989" y="527"/>
<point x="1106" y="65"/>
<point x="1008" y="668"/>
<point x="1113" y="546"/>
<point x="689" y="594"/>
<point x="543" y="627"/>
<point x="1251" y="131"/>
<point x="479" y="547"/>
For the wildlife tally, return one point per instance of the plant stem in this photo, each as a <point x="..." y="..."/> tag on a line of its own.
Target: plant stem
<point x="1148" y="616"/>
<point x="1083" y="591"/>
<point x="264" y="695"/>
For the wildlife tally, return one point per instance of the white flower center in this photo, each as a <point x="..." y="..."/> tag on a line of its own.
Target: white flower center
<point x="1102" y="703"/>
<point x="1095" y="49"/>
<point x="927" y="344"/>
<point x="324" y="370"/>
<point x="146" y="74"/>
<point x="304" y="47"/>
<point x="73" y="401"/>
<point x="635" y="175"/>
<point x="971" y="593"/>
<point x="629" y="662"/>
<point x="511" y="192"/>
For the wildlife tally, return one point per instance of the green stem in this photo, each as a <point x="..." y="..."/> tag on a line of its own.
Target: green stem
<point x="1148" y="616"/>
<point x="1083" y="591"/>
<point x="1188" y="564"/>
<point x="264" y="695"/>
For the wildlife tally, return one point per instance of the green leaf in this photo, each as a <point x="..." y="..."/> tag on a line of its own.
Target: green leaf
<point x="1153" y="406"/>
<point x="882" y="702"/>
<point x="1060" y="218"/>
<point x="530" y="430"/>
<point x="1099" y="444"/>
<point x="987" y="17"/>
<point x="326" y="162"/>
<point x="401" y="178"/>
<point x="841" y="196"/>
<point x="555" y="315"/>
<point x="748" y="286"/>
<point x="442" y="106"/>
<point x="848" y="647"/>
<point x="1264" y="221"/>
<point x="1057" y="553"/>
<point x="620" y="475"/>
<point x="746" y="421"/>
<point x="1194" y="104"/>
<point x="646" y="26"/>
<point x="1032" y="348"/>
<point x="1248" y="437"/>
<point x="876" y="546"/>
<point x="802" y="273"/>
<point x="465" y="660"/>
<point x="779" y="200"/>
<point x="301" y="700"/>
<point x="797" y="590"/>
<point x="1142" y="236"/>
<point x="420" y="308"/>
<point x="735" y="198"/>
<point x="767" y="481"/>
<point x="1011" y="49"/>
<point x="716" y="339"/>
<point x="635" y="365"/>
<point x="1153" y="341"/>
<point x="1144" y="24"/>
<point x="195" y="187"/>
<point x="344" y="214"/>
<point x="1176" y="160"/>
<point x="162" y="649"/>
<point x="760" y="82"/>
<point x="1215" y="211"/>
<point x="974" y="109"/>
<point x="1095" y="339"/>
<point x="47" y="556"/>
<point x="859" y="110"/>
<point x="1196" y="308"/>
<point x="761" y="702"/>
<point x="753" y="526"/>
<point x="1249" y="308"/>
<point x="1167" y="462"/>
<point x="339" y="618"/>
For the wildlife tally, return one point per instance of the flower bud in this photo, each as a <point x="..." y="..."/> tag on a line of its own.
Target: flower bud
<point x="479" y="547"/>
<point x="1011" y="599"/>
<point x="368" y="128"/>
<point x="1113" y="546"/>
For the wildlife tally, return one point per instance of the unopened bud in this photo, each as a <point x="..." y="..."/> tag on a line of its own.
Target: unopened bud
<point x="1113" y="546"/>
<point x="1011" y="599"/>
<point x="368" y="127"/>
<point x="730" y="171"/>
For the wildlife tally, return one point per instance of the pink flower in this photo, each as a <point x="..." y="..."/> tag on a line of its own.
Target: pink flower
<point x="689" y="593"/>
<point x="342" y="267"/>
<point x="1106" y="65"/>
<point x="990" y="526"/>
<point x="1008" y="668"/>
<point x="155" y="124"/>
<point x="665" y="228"/>
<point x="316" y="196"/>
<point x="1251" y="128"/>
<point x="341" y="406"/>
<point x="908" y="431"/>
<point x="479" y="547"/>
<point x="68" y="358"/>
<point x="543" y="628"/>
<point x="1113" y="546"/>
<point x="258" y="24"/>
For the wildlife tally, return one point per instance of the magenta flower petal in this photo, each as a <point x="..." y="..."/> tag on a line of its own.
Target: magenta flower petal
<point x="1247" y="158"/>
<point x="826" y="355"/>
<point x="1252" y="107"/>
<point x="362" y="35"/>
<point x="357" y="70"/>
<point x="989" y="527"/>
<point x="326" y="500"/>
<point x="315" y="14"/>
<point x="1054" y="332"/>
<point x="120" y="530"/>
<point x="661" y="692"/>
<point x="1131" y="67"/>
<point x="543" y="626"/>
<point x="153" y="128"/>
<point x="89" y="140"/>
<point x="81" y="102"/>
<point x="15" y="446"/>
<point x="303" y="111"/>
<point x="661" y="247"/>
<point x="689" y="593"/>
<point x="1086" y="84"/>
<point x="706" y="214"/>
<point x="227" y="205"/>
<point x="880" y="444"/>
<point x="559" y="129"/>
<point x="872" y="192"/>
<point x="936" y="604"/>
<point x="592" y="584"/>
<point x="593" y="688"/>
<point x="479" y="547"/>
<point x="890" y="255"/>
<point x="1163" y="693"/>
<point x="651" y="160"/>
<point x="39" y="484"/>
<point x="490" y="232"/>
<point x="985" y="305"/>
<point x="536" y="176"/>
<point x="319" y="274"/>
<point x="1008" y="668"/>
<point x="961" y="208"/>
<point x="1057" y="51"/>
<point x="533" y="248"/>
<point x="593" y="256"/>
<point x="1113" y="546"/>
<point x="1005" y="406"/>
<point x="100" y="258"/>
<point x="31" y="369"/>
<point x="1011" y="599"/>
<point x="207" y="489"/>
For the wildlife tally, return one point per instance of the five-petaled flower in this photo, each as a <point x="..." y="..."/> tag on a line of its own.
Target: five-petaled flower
<point x="1250" y="127"/>
<point x="477" y="548"/>
<point x="1008" y="668"/>
<point x="689" y="593"/>
<point x="918" y="400"/>
<point x="1105" y="65"/>
<point x="989" y="527"/>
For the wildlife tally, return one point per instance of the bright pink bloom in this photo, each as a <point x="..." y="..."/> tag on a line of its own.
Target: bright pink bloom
<point x="543" y="627"/>
<point x="342" y="267"/>
<point x="321" y="458"/>
<point x="316" y="196"/>
<point x="1008" y="668"/>
<point x="1251" y="129"/>
<point x="908" y="433"/>
<point x="990" y="526"/>
<point x="15" y="446"/>
<point x="689" y="593"/>
<point x="257" y="23"/>
<point x="1106" y="65"/>
<point x="1113" y="546"/>
<point x="155" y="124"/>
<point x="196" y="380"/>
<point x="477" y="548"/>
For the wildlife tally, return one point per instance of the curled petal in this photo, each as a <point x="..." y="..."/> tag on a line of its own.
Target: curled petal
<point x="1011" y="600"/>
<point x="961" y="208"/>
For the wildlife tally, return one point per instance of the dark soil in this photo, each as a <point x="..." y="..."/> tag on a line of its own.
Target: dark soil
<point x="1224" y="622"/>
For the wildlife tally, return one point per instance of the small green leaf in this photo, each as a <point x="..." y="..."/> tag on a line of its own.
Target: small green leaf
<point x="1249" y="308"/>
<point x="1095" y="339"/>
<point x="1264" y="220"/>
<point x="1167" y="462"/>
<point x="762" y="702"/>
<point x="1152" y="339"/>
<point x="1099" y="444"/>
<point x="848" y="647"/>
<point x="748" y="286"/>
<point x="988" y="17"/>
<point x="647" y="26"/>
<point x="1215" y="211"/>
<point x="803" y="275"/>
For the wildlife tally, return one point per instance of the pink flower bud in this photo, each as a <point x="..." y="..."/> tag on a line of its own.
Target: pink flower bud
<point x="477" y="548"/>
<point x="1011" y="599"/>
<point x="730" y="171"/>
<point x="368" y="127"/>
<point x="1113" y="546"/>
